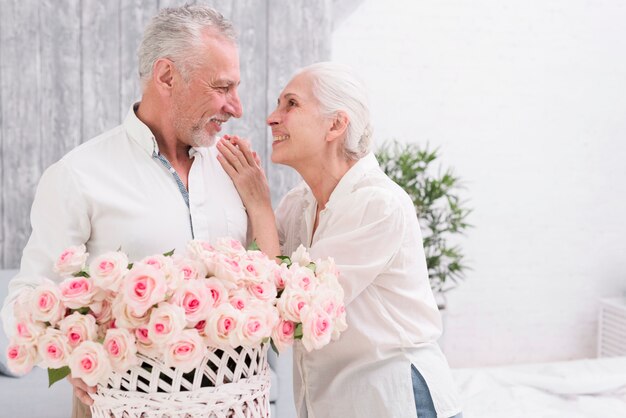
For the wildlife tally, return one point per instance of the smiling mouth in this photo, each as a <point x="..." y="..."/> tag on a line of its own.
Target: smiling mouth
<point x="218" y="121"/>
<point x="280" y="138"/>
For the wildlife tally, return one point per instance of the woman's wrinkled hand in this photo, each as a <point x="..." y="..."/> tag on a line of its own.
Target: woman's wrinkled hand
<point x="244" y="168"/>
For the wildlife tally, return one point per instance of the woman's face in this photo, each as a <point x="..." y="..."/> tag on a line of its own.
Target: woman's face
<point x="298" y="128"/>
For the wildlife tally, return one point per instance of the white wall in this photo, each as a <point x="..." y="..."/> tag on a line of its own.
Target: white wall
<point x="527" y="100"/>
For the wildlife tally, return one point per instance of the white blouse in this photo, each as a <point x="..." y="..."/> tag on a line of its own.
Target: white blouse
<point x="113" y="192"/>
<point x="370" y="228"/>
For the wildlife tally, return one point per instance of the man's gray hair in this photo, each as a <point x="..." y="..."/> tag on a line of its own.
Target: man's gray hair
<point x="176" y="33"/>
<point x="337" y="88"/>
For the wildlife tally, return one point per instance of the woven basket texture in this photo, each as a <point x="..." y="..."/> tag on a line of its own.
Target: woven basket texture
<point x="232" y="382"/>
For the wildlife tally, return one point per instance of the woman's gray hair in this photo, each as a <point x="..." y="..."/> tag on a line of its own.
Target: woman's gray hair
<point x="337" y="88"/>
<point x="176" y="33"/>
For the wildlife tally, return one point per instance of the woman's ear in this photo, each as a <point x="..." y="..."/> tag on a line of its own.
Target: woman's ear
<point x="339" y="126"/>
<point x="163" y="76"/>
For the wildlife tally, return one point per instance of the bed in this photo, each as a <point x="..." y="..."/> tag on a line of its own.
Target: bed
<point x="589" y="388"/>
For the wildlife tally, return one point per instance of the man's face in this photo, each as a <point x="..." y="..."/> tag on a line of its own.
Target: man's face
<point x="210" y="98"/>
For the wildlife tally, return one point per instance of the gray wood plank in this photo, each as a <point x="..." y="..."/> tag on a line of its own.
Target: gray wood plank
<point x="249" y="19"/>
<point x="60" y="88"/>
<point x="134" y="16"/>
<point x="100" y="45"/>
<point x="299" y="34"/>
<point x="20" y="100"/>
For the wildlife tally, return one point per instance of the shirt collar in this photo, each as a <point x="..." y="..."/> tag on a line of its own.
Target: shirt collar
<point x="142" y="135"/>
<point x="352" y="177"/>
<point x="139" y="131"/>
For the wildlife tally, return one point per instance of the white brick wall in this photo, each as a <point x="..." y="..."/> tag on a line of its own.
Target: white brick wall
<point x="527" y="100"/>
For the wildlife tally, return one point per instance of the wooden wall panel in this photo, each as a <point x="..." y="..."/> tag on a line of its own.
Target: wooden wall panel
<point x="299" y="33"/>
<point x="21" y="97"/>
<point x="100" y="46"/>
<point x="134" y="16"/>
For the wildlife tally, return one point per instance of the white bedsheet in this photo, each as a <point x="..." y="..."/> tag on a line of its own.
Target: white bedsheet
<point x="590" y="388"/>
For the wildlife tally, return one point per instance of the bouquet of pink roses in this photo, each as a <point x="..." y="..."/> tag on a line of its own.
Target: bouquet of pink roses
<point x="171" y="308"/>
<point x="310" y="302"/>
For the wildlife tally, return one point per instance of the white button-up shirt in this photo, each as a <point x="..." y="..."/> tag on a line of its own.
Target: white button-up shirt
<point x="369" y="227"/>
<point x="113" y="193"/>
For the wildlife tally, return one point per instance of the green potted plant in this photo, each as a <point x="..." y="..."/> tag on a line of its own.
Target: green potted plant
<point x="440" y="211"/>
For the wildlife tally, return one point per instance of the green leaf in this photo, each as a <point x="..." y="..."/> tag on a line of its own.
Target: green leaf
<point x="297" y="334"/>
<point x="253" y="246"/>
<point x="169" y="253"/>
<point x="54" y="375"/>
<point x="312" y="267"/>
<point x="81" y="273"/>
<point x="83" y="311"/>
<point x="274" y="347"/>
<point x="285" y="259"/>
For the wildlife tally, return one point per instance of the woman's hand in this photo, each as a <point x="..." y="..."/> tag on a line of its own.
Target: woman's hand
<point x="81" y="390"/>
<point x="244" y="168"/>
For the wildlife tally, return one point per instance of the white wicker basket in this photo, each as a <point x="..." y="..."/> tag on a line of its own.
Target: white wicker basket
<point x="227" y="383"/>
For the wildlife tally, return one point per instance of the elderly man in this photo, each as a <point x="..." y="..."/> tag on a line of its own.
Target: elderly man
<point x="152" y="183"/>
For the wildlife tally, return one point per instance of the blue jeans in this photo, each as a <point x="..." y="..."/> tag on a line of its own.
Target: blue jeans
<point x="423" y="401"/>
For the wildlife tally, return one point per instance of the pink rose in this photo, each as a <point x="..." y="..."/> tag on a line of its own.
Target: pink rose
<point x="143" y="287"/>
<point x="264" y="291"/>
<point x="255" y="270"/>
<point x="217" y="291"/>
<point x="78" y="328"/>
<point x="21" y="357"/>
<point x="283" y="334"/>
<point x="257" y="322"/>
<point x="291" y="303"/>
<point x="185" y="351"/>
<point x="303" y="278"/>
<point x="239" y="298"/>
<point x="28" y="331"/>
<point x="45" y="303"/>
<point x="124" y="315"/>
<point x="90" y="362"/>
<point x="53" y="349"/>
<point x="22" y="308"/>
<point x="145" y="345"/>
<point x="71" y="261"/>
<point x="194" y="297"/>
<point x="77" y="292"/>
<point x="317" y="328"/>
<point x="229" y="246"/>
<point x="120" y="346"/>
<point x="221" y="326"/>
<point x="102" y="310"/>
<point x="108" y="270"/>
<point x="281" y="275"/>
<point x="172" y="274"/>
<point x="228" y="269"/>
<point x="190" y="269"/>
<point x="166" y="321"/>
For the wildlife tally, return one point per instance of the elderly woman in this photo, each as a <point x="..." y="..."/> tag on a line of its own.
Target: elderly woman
<point x="387" y="363"/>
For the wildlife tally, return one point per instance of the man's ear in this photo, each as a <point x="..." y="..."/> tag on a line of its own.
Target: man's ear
<point x="163" y="73"/>
<point x="339" y="126"/>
